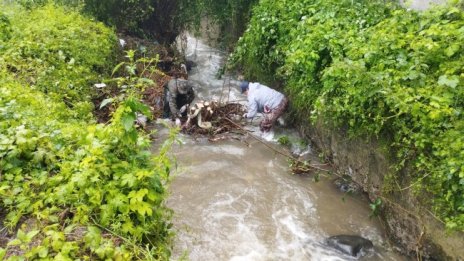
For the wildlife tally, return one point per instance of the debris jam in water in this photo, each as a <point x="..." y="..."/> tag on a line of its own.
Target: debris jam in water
<point x="211" y="118"/>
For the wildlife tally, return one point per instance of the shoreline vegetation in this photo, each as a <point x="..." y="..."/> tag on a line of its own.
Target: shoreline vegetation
<point x="71" y="188"/>
<point x="378" y="70"/>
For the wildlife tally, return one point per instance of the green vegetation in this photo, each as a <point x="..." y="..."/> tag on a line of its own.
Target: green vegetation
<point x="375" y="207"/>
<point x="49" y="53"/>
<point x="163" y="20"/>
<point x="378" y="70"/>
<point x="231" y="16"/>
<point x="284" y="140"/>
<point x="157" y="19"/>
<point x="70" y="188"/>
<point x="124" y="14"/>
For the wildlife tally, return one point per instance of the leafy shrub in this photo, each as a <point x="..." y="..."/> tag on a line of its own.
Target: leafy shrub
<point x="104" y="176"/>
<point x="265" y="37"/>
<point x="125" y="14"/>
<point x="58" y="51"/>
<point x="30" y="4"/>
<point x="71" y="188"/>
<point x="379" y="70"/>
<point x="5" y="28"/>
<point x="230" y="16"/>
<point x="275" y="26"/>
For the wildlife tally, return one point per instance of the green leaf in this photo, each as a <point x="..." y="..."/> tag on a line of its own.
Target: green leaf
<point x="30" y="235"/>
<point x="128" y="180"/>
<point x="2" y="253"/>
<point x="144" y="208"/>
<point x="116" y="68"/>
<point x="452" y="49"/>
<point x="130" y="69"/>
<point x="68" y="247"/>
<point x="105" y="102"/>
<point x="130" y="54"/>
<point x="131" y="136"/>
<point x="137" y="196"/>
<point x="93" y="237"/>
<point x="128" y="121"/>
<point x="70" y="228"/>
<point x="21" y="235"/>
<point x="43" y="251"/>
<point x="450" y="82"/>
<point x="61" y="257"/>
<point x="14" y="242"/>
<point x="118" y="202"/>
<point x="128" y="227"/>
<point x="138" y="106"/>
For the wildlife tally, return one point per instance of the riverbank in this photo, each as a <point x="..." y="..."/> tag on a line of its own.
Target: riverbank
<point x="70" y="187"/>
<point x="411" y="227"/>
<point x="379" y="73"/>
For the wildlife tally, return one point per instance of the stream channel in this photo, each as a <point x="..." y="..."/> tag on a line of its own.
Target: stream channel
<point x="238" y="200"/>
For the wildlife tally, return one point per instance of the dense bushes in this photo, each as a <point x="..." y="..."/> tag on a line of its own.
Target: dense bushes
<point x="70" y="188"/>
<point x="126" y="14"/>
<point x="158" y="19"/>
<point x="162" y="20"/>
<point x="67" y="53"/>
<point x="380" y="70"/>
<point x="230" y="16"/>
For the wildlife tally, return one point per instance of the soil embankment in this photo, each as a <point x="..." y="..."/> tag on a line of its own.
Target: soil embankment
<point x="409" y="224"/>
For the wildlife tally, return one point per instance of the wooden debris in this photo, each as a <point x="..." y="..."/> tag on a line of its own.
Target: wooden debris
<point x="210" y="118"/>
<point x="301" y="167"/>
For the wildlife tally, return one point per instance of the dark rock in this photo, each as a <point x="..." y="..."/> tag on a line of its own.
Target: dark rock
<point x="369" y="164"/>
<point x="350" y="245"/>
<point x="166" y="64"/>
<point x="346" y="185"/>
<point x="190" y="65"/>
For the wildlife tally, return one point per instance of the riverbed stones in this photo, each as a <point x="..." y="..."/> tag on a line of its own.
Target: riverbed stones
<point x="351" y="245"/>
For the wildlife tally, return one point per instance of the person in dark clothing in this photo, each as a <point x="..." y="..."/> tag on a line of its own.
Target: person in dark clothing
<point x="177" y="93"/>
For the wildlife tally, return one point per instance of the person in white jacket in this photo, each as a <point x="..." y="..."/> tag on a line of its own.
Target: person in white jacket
<point x="264" y="100"/>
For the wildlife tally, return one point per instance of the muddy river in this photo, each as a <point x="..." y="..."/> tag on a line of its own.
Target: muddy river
<point x="236" y="199"/>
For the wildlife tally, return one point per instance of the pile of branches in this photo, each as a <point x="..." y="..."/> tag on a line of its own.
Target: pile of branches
<point x="211" y="118"/>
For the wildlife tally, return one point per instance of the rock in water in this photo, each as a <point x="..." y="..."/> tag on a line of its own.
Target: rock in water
<point x="351" y="245"/>
<point x="190" y="65"/>
<point x="346" y="185"/>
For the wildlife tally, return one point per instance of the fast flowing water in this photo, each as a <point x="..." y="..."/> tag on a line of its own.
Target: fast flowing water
<point x="237" y="200"/>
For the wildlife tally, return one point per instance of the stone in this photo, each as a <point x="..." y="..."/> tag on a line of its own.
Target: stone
<point x="370" y="165"/>
<point x="351" y="245"/>
<point x="141" y="120"/>
<point x="346" y="185"/>
<point x="190" y="65"/>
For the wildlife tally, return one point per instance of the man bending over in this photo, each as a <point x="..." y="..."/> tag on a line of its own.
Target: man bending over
<point x="264" y="100"/>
